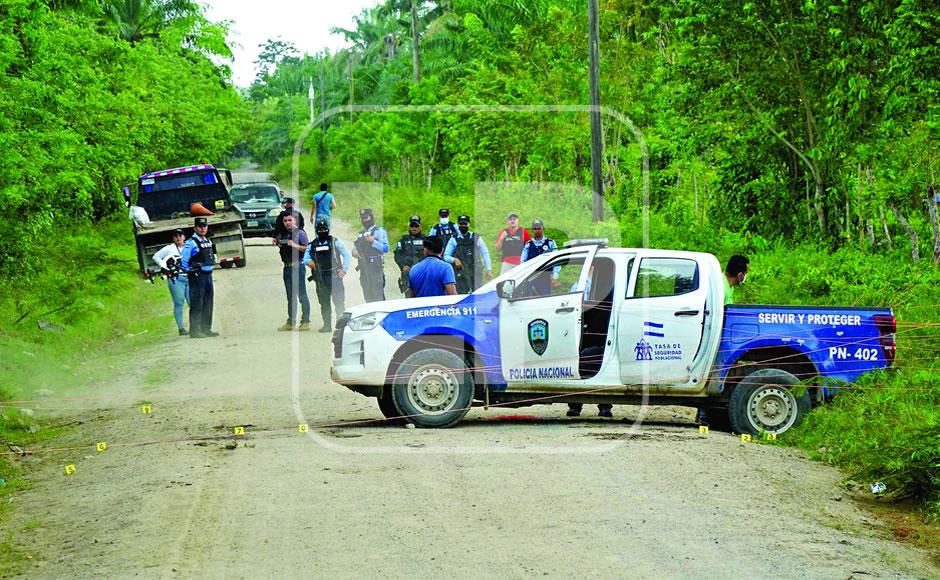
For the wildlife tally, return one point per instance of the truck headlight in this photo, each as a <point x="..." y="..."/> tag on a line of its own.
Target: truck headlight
<point x="274" y="212"/>
<point x="366" y="321"/>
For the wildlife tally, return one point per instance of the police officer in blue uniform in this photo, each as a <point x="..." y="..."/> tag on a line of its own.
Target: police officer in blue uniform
<point x="444" y="228"/>
<point x="409" y="250"/>
<point x="539" y="244"/>
<point x="328" y="259"/>
<point x="198" y="259"/>
<point x="370" y="249"/>
<point x="468" y="254"/>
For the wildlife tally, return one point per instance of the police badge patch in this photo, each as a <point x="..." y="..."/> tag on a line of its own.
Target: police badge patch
<point x="538" y="336"/>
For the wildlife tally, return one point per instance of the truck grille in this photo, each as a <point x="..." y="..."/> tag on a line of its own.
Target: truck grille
<point x="341" y="323"/>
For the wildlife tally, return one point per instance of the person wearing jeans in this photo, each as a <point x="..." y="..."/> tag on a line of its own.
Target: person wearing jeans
<point x="292" y="246"/>
<point x="169" y="259"/>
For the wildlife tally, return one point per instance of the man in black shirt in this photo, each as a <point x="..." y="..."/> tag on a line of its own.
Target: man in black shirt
<point x="279" y="230"/>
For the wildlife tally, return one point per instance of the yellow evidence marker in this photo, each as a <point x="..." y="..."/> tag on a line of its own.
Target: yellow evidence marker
<point x="146" y="409"/>
<point x="745" y="437"/>
<point x="69" y="469"/>
<point x="239" y="430"/>
<point x="101" y="446"/>
<point x="703" y="429"/>
<point x="770" y="436"/>
<point x="303" y="427"/>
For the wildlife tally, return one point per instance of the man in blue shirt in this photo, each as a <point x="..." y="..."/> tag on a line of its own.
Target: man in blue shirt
<point x="198" y="259"/>
<point x="328" y="259"/>
<point x="467" y="252"/>
<point x="323" y="205"/>
<point x="432" y="276"/>
<point x="370" y="249"/>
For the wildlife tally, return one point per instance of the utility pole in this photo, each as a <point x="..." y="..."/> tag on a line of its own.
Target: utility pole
<point x="597" y="140"/>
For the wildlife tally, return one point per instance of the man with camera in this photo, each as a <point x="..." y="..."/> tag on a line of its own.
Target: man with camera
<point x="292" y="244"/>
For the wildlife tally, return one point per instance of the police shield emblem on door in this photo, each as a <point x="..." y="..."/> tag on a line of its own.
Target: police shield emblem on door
<point x="538" y="336"/>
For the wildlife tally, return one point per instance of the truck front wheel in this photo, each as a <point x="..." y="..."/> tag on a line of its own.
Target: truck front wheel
<point x="433" y="388"/>
<point x="768" y="400"/>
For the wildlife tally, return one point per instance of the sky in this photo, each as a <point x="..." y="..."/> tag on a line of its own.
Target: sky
<point x="304" y="24"/>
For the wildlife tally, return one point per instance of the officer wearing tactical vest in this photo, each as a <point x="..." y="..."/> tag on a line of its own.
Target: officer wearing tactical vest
<point x="444" y="228"/>
<point x="469" y="256"/>
<point x="409" y="250"/>
<point x="510" y="242"/>
<point x="198" y="258"/>
<point x="537" y="246"/>
<point x="328" y="259"/>
<point x="370" y="249"/>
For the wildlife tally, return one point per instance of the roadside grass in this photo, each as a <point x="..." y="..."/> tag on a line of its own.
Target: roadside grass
<point x="104" y="313"/>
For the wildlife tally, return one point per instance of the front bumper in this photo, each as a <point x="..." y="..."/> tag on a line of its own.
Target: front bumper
<point x="363" y="357"/>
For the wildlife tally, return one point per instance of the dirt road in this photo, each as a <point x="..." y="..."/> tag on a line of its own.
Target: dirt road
<point x="512" y="497"/>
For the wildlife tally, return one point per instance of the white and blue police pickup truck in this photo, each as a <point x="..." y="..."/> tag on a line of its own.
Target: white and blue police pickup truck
<point x="591" y="324"/>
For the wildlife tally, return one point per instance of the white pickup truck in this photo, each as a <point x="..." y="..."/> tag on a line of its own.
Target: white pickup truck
<point x="591" y="324"/>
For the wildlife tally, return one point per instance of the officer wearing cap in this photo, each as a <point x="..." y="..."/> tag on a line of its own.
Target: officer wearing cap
<point x="198" y="258"/>
<point x="510" y="242"/>
<point x="169" y="259"/>
<point x="538" y="245"/>
<point x="432" y="276"/>
<point x="409" y="250"/>
<point x="280" y="232"/>
<point x="468" y="254"/>
<point x="444" y="228"/>
<point x="370" y="249"/>
<point x="328" y="260"/>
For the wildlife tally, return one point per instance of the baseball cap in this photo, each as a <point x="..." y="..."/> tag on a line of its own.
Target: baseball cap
<point x="178" y="232"/>
<point x="537" y="224"/>
<point x="201" y="221"/>
<point x="365" y="211"/>
<point x="511" y="215"/>
<point x="322" y="224"/>
<point x="464" y="219"/>
<point x="443" y="212"/>
<point x="288" y="200"/>
<point x="415" y="219"/>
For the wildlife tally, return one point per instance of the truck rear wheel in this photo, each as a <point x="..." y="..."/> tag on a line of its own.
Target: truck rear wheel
<point x="768" y="400"/>
<point x="241" y="263"/>
<point x="433" y="388"/>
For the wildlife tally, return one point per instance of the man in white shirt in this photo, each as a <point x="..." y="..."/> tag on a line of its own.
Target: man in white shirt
<point x="169" y="259"/>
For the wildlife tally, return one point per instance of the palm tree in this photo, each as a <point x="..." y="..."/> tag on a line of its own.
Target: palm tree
<point x="139" y="19"/>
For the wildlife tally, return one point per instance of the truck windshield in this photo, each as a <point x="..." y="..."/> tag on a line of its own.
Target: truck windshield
<point x="173" y="195"/>
<point x="255" y="194"/>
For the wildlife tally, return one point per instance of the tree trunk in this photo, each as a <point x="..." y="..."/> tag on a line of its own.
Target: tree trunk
<point x="695" y="191"/>
<point x="818" y="206"/>
<point x="934" y="223"/>
<point x="884" y="227"/>
<point x="415" y="57"/>
<point x="911" y="232"/>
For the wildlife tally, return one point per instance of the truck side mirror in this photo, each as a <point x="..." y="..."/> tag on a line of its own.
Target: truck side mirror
<point x="506" y="288"/>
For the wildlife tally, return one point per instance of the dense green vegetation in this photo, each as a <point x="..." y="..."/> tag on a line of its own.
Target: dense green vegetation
<point x="91" y="94"/>
<point x="803" y="134"/>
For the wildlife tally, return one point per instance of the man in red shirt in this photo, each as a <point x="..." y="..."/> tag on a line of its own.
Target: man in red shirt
<point x="511" y="240"/>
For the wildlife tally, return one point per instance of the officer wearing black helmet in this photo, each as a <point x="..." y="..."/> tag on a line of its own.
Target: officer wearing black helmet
<point x="444" y="228"/>
<point x="370" y="249"/>
<point x="198" y="259"/>
<point x="409" y="250"/>
<point x="328" y="260"/>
